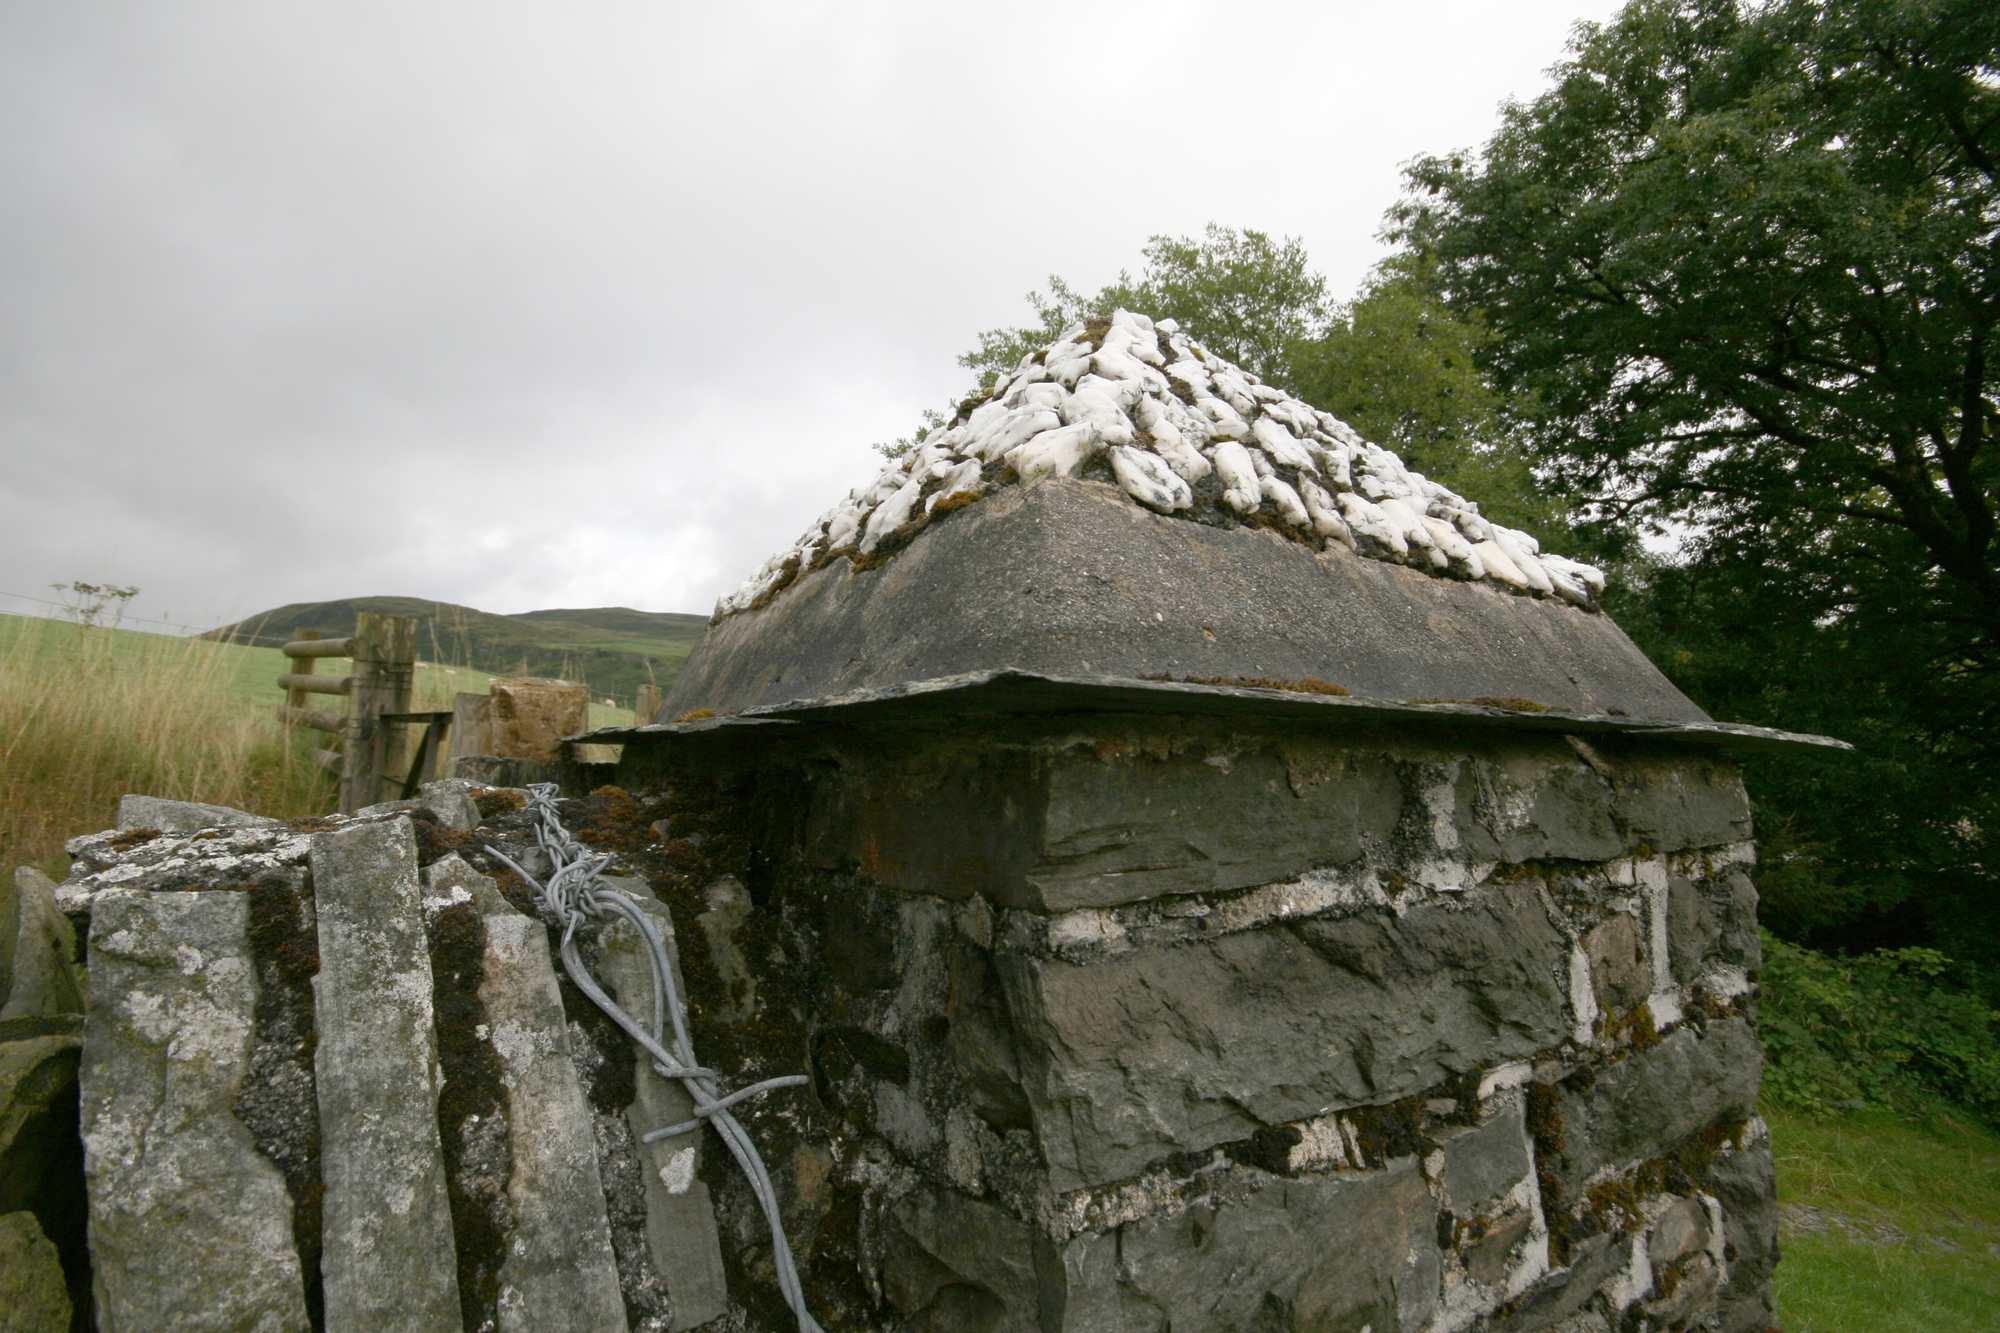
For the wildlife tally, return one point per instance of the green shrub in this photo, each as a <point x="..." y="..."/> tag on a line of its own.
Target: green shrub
<point x="1897" y="1027"/>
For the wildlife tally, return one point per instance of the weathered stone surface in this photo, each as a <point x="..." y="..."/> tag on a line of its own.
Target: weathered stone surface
<point x="1619" y="974"/>
<point x="1554" y="1300"/>
<point x="209" y="859"/>
<point x="38" y="1088"/>
<point x="1338" y="1252"/>
<point x="1676" y="802"/>
<point x="1127" y="826"/>
<point x="33" y="1298"/>
<point x="40" y="977"/>
<point x="1641" y="1106"/>
<point x="1481" y="1165"/>
<point x="1535" y="801"/>
<point x="388" y="1262"/>
<point x="450" y="799"/>
<point x="680" y="1216"/>
<point x="155" y="812"/>
<point x="1746" y="1184"/>
<point x="190" y="1227"/>
<point x="1167" y="1049"/>
<point x="1060" y="579"/>
<point x="559" y="1274"/>
<point x="532" y="716"/>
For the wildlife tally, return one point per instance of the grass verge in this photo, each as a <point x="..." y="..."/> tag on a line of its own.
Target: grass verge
<point x="1890" y="1224"/>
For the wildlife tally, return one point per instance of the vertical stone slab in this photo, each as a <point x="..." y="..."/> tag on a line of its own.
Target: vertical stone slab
<point x="559" y="1275"/>
<point x="388" y="1263"/>
<point x="680" y="1217"/>
<point x="190" y="1227"/>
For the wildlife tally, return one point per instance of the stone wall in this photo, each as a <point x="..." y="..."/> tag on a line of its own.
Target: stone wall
<point x="1110" y="1024"/>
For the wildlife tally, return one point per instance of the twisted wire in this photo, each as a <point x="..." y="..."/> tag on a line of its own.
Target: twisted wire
<point x="574" y="892"/>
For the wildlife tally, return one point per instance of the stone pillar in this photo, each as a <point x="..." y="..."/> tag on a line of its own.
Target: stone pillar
<point x="189" y="1226"/>
<point x="388" y="1263"/>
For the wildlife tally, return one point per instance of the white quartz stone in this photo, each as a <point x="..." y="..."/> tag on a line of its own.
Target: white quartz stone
<point x="964" y="477"/>
<point x="1242" y="489"/>
<point x="1531" y="568"/>
<point x="891" y="514"/>
<point x="1281" y="444"/>
<point x="1415" y="532"/>
<point x="1325" y="512"/>
<point x="1368" y="520"/>
<point x="1286" y="501"/>
<point x="1229" y="423"/>
<point x="1004" y="433"/>
<point x="1191" y="373"/>
<point x="1456" y="548"/>
<point x="1499" y="565"/>
<point x="1054" y="453"/>
<point x="1091" y="406"/>
<point x="1147" y="479"/>
<point x="1182" y="457"/>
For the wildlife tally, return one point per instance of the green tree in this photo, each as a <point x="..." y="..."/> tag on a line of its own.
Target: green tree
<point x="1740" y="261"/>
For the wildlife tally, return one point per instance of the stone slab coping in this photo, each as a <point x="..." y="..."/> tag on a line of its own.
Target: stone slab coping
<point x="1004" y="692"/>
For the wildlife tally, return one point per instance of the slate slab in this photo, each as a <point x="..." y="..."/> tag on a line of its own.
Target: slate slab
<point x="680" y="1214"/>
<point x="559" y="1274"/>
<point x="190" y="1227"/>
<point x="1167" y="1049"/>
<point x="156" y="812"/>
<point x="388" y="1262"/>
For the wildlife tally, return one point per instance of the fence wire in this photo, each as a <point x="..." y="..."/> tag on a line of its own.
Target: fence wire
<point x="576" y="893"/>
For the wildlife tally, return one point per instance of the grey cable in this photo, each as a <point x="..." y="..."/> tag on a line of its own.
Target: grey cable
<point x="575" y="891"/>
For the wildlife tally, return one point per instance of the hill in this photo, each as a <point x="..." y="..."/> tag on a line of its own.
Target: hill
<point x="613" y="648"/>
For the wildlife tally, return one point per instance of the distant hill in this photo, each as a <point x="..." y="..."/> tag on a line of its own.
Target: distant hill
<point x="610" y="647"/>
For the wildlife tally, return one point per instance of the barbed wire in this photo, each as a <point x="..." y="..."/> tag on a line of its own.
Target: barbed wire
<point x="575" y="892"/>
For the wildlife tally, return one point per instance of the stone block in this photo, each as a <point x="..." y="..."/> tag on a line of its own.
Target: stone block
<point x="1131" y="825"/>
<point x="559" y="1274"/>
<point x="1535" y="801"/>
<point x="33" y="1298"/>
<point x="1337" y="1252"/>
<point x="156" y="812"/>
<point x="1638" y="1109"/>
<point x="450" y="799"/>
<point x="190" y="1227"/>
<point x="1675" y="802"/>
<point x="680" y="1214"/>
<point x="1482" y="1164"/>
<point x="388" y="1262"/>
<point x="531" y="716"/>
<point x="1167" y="1049"/>
<point x="40" y="978"/>
<point x="1553" y="1301"/>
<point x="1746" y="1184"/>
<point x="1619" y="974"/>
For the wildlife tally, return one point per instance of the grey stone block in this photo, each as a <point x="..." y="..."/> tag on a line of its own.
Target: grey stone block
<point x="1675" y="802"/>
<point x="33" y="1298"/>
<point x="450" y="799"/>
<point x="190" y="1227"/>
<point x="559" y="1274"/>
<point x="1640" y="1107"/>
<point x="1483" y="1163"/>
<point x="680" y="1215"/>
<point x="1553" y="1302"/>
<point x="1746" y="1184"/>
<point x="1535" y="801"/>
<point x="388" y="1262"/>
<point x="1166" y="1049"/>
<point x="1131" y="826"/>
<point x="156" y="812"/>
<point x="1619" y="974"/>
<point x="1335" y="1252"/>
<point x="40" y="978"/>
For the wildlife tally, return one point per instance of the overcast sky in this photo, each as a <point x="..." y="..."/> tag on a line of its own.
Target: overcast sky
<point x="600" y="302"/>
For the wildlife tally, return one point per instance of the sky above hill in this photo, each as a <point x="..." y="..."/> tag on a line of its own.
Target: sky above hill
<point x="529" y="305"/>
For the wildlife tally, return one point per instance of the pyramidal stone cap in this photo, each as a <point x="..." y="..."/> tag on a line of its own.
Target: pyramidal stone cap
<point x="1126" y="504"/>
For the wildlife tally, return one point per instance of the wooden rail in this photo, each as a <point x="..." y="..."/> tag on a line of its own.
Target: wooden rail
<point x="384" y="652"/>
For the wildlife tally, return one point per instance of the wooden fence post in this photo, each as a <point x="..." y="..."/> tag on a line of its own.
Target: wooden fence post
<point x="384" y="649"/>
<point x="648" y="704"/>
<point x="304" y="651"/>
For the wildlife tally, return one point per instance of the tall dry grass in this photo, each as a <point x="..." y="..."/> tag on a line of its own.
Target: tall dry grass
<point x="88" y="714"/>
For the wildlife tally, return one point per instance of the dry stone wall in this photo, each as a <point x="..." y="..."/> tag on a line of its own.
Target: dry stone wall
<point x="1111" y="1024"/>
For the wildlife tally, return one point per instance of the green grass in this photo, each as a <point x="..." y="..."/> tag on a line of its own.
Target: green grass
<point x="1929" y="1195"/>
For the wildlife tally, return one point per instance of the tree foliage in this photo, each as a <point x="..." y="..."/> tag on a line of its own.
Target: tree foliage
<point x="1739" y="268"/>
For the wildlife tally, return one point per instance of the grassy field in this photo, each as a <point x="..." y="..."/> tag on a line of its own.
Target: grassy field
<point x="87" y="715"/>
<point x="1891" y="1226"/>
